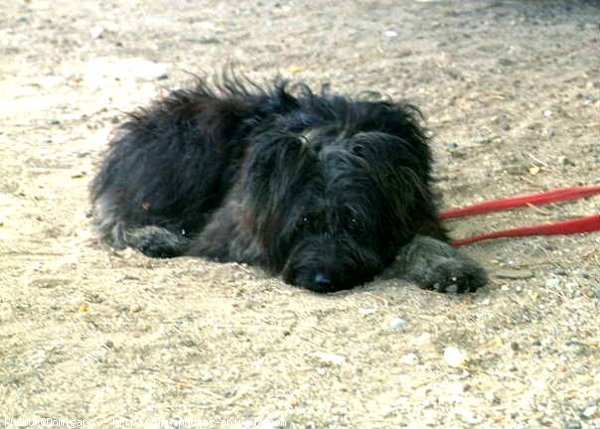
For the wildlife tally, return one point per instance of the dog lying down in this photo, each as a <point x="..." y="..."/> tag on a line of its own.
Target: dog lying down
<point x="325" y="190"/>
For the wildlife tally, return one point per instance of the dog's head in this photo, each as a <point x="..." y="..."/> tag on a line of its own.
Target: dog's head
<point x="332" y="201"/>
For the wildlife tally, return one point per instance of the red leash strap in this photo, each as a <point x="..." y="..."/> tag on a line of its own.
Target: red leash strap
<point x="575" y="226"/>
<point x="556" y="195"/>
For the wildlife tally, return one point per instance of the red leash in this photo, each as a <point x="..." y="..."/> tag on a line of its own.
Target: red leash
<point x="575" y="226"/>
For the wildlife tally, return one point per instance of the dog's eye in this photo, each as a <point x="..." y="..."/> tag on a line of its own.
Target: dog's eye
<point x="354" y="224"/>
<point x="306" y="221"/>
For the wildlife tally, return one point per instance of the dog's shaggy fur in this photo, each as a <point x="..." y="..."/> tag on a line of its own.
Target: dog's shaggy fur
<point x="323" y="189"/>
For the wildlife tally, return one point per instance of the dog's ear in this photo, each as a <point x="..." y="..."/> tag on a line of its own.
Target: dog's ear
<point x="274" y="170"/>
<point x="390" y="152"/>
<point x="273" y="177"/>
<point x="400" y="175"/>
<point x="268" y="158"/>
<point x="400" y="120"/>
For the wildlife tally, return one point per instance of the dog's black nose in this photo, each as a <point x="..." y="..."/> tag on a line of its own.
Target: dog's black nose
<point x="322" y="280"/>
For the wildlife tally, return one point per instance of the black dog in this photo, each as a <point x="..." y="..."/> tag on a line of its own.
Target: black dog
<point x="325" y="190"/>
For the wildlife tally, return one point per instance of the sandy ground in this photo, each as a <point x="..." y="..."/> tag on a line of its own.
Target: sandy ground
<point x="511" y="91"/>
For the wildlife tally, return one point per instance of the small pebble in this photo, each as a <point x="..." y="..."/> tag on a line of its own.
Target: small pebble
<point x="514" y="274"/>
<point x="560" y="271"/>
<point x="423" y="339"/>
<point x="566" y="161"/>
<point x="553" y="282"/>
<point x="590" y="411"/>
<point x="491" y="396"/>
<point x="398" y="324"/>
<point x="329" y="359"/>
<point x="455" y="357"/>
<point x="97" y="32"/>
<point x="391" y="33"/>
<point x="572" y="425"/>
<point x="409" y="359"/>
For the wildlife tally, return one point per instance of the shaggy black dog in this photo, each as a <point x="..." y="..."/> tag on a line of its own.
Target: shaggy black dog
<point x="325" y="190"/>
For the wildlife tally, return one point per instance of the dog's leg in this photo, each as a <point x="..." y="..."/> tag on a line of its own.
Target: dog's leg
<point x="156" y="242"/>
<point x="433" y="264"/>
<point x="226" y="238"/>
<point x="169" y="167"/>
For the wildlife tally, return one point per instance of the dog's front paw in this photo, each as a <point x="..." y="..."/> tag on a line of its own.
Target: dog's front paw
<point x="457" y="275"/>
<point x="433" y="264"/>
<point x="156" y="242"/>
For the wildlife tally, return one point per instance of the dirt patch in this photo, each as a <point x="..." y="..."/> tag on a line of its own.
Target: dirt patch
<point x="511" y="91"/>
